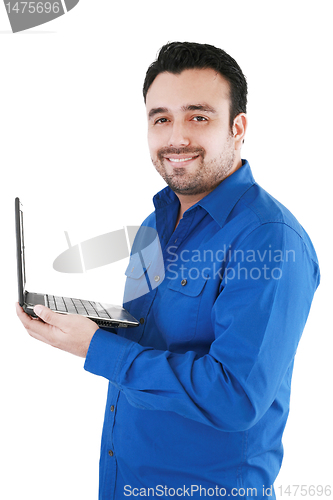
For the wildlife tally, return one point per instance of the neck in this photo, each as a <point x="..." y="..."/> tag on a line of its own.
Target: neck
<point x="187" y="201"/>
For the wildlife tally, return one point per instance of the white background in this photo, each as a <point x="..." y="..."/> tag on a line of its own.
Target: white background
<point x="73" y="147"/>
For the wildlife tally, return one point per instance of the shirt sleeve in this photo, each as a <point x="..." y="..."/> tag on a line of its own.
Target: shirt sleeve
<point x="258" y="318"/>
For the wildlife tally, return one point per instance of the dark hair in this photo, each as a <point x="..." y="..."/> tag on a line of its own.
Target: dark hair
<point x="175" y="57"/>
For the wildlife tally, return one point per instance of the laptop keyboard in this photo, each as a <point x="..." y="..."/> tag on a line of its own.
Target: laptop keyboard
<point x="77" y="306"/>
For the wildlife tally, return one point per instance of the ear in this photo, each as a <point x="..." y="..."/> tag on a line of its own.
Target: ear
<point x="239" y="128"/>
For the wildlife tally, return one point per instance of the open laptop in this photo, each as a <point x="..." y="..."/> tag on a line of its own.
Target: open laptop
<point x="106" y="315"/>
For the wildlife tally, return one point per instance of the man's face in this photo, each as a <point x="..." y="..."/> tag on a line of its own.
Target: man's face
<point x="190" y="141"/>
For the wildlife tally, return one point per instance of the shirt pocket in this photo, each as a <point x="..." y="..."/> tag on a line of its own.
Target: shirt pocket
<point x="178" y="311"/>
<point x="145" y="270"/>
<point x="136" y="283"/>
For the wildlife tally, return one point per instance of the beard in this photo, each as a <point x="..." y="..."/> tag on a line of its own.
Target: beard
<point x="201" y="178"/>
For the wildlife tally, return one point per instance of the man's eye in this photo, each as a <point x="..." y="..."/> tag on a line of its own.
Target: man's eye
<point x="161" y="120"/>
<point x="199" y="119"/>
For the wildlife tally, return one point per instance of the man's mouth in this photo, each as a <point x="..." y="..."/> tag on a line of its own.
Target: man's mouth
<point x="180" y="159"/>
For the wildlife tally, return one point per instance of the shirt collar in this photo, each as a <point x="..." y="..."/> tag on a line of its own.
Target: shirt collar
<point x="219" y="202"/>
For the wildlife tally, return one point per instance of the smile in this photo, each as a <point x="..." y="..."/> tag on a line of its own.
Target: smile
<point x="180" y="160"/>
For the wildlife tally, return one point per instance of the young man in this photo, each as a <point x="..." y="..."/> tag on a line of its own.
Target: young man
<point x="199" y="392"/>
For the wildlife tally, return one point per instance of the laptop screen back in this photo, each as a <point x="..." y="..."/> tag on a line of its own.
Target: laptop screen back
<point x="21" y="280"/>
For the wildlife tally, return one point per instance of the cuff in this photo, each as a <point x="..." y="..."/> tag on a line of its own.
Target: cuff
<point x="105" y="354"/>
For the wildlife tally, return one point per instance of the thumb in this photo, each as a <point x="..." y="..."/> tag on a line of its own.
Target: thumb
<point x="48" y="316"/>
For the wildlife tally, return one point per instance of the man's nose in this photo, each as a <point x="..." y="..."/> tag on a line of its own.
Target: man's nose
<point x="179" y="136"/>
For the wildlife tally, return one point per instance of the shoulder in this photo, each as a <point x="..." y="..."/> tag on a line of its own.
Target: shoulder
<point x="270" y="216"/>
<point x="150" y="221"/>
<point x="267" y="208"/>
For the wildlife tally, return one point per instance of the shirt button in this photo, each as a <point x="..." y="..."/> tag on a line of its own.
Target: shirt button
<point x="157" y="278"/>
<point x="183" y="282"/>
<point x="142" y="320"/>
<point x="110" y="453"/>
<point x="112" y="408"/>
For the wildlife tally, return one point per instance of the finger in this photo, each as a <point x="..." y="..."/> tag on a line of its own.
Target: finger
<point x="24" y="317"/>
<point x="50" y="317"/>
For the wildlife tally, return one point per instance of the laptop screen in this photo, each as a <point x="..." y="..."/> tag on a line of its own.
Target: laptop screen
<point x="21" y="279"/>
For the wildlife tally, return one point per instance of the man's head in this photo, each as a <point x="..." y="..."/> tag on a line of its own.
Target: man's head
<point x="175" y="57"/>
<point x="194" y="135"/>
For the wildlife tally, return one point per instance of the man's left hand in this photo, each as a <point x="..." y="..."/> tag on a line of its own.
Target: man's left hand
<point x="71" y="333"/>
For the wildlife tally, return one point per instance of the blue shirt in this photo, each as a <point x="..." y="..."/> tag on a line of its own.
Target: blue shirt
<point x="199" y="393"/>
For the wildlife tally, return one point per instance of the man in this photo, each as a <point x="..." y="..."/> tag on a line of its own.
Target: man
<point x="199" y="392"/>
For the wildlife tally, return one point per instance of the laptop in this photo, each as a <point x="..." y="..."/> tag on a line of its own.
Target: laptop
<point x="106" y="315"/>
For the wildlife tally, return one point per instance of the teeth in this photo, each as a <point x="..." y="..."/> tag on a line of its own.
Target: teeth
<point x="180" y="159"/>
